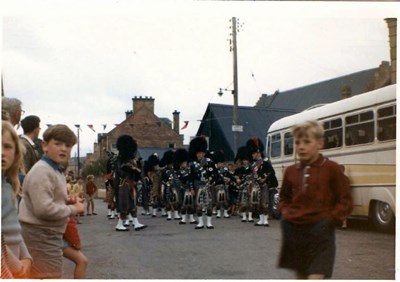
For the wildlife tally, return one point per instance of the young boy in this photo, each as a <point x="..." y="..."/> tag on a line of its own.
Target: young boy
<point x="90" y="191"/>
<point x="44" y="210"/>
<point x="315" y="193"/>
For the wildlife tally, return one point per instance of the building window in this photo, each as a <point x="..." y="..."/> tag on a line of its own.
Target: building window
<point x="171" y="146"/>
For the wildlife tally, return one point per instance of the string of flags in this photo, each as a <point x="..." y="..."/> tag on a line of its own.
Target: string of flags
<point x="104" y="126"/>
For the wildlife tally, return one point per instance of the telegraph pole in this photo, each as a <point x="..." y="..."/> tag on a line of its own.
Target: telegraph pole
<point x="78" y="126"/>
<point x="79" y="165"/>
<point x="235" y="118"/>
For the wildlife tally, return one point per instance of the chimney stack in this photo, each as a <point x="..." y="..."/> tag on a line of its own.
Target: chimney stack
<point x="346" y="91"/>
<point x="392" y="25"/>
<point x="176" y="121"/>
<point x="143" y="105"/>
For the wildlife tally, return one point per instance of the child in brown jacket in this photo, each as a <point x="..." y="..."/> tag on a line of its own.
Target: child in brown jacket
<point x="314" y="194"/>
<point x="90" y="190"/>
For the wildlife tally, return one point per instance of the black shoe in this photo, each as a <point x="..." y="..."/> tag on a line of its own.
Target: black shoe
<point x="210" y="227"/>
<point x="169" y="218"/>
<point x="194" y="222"/>
<point x="181" y="222"/>
<point x="258" y="224"/>
<point x="199" y="227"/>
<point x="125" y="229"/>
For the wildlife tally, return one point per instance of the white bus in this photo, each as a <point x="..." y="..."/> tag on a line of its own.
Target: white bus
<point x="360" y="134"/>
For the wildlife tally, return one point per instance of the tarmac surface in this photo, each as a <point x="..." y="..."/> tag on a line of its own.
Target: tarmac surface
<point x="232" y="250"/>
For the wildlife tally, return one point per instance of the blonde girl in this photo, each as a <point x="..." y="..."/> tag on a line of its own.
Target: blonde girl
<point x="19" y="261"/>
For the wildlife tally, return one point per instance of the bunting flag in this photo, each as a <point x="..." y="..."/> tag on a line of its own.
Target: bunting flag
<point x="91" y="127"/>
<point x="104" y="126"/>
<point x="186" y="123"/>
<point x="48" y="125"/>
<point x="78" y="126"/>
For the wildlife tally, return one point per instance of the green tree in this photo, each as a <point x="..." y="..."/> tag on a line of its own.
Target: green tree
<point x="97" y="168"/>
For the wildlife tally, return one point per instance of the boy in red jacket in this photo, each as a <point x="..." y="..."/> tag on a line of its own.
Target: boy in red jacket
<point x="90" y="191"/>
<point x="315" y="193"/>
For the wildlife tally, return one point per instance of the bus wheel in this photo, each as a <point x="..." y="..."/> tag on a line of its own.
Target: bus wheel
<point x="274" y="203"/>
<point x="382" y="216"/>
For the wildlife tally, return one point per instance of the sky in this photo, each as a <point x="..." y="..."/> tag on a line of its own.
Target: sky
<point x="82" y="63"/>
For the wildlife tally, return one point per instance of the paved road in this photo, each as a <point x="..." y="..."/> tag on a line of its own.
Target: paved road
<point x="233" y="250"/>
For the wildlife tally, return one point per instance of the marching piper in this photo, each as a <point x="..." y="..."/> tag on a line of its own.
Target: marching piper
<point x="126" y="176"/>
<point x="154" y="172"/>
<point x="243" y="173"/>
<point x="181" y="182"/>
<point x="200" y="170"/>
<point x="263" y="178"/>
<point x="218" y="181"/>
<point x="170" y="191"/>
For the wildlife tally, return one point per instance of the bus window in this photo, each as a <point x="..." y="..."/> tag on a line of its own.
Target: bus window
<point x="387" y="123"/>
<point x="275" y="145"/>
<point x="333" y="133"/>
<point x="360" y="128"/>
<point x="288" y="141"/>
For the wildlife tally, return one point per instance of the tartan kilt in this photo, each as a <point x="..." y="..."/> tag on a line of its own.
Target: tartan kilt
<point x="109" y="196"/>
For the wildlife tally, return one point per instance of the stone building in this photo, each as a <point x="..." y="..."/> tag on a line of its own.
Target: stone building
<point x="152" y="133"/>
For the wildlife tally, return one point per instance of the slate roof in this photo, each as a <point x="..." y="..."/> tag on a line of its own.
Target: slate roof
<point x="145" y="153"/>
<point x="217" y="125"/>
<point x="217" y="120"/>
<point x="323" y="92"/>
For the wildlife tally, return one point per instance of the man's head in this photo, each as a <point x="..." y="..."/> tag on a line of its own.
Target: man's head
<point x="12" y="107"/>
<point x="127" y="147"/>
<point x="198" y="148"/>
<point x="255" y="148"/>
<point x="31" y="126"/>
